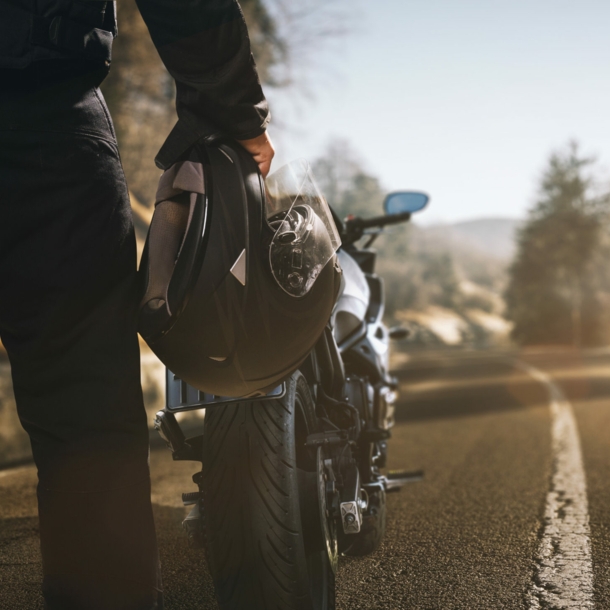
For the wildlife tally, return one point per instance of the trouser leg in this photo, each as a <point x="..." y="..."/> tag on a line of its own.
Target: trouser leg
<point x="67" y="319"/>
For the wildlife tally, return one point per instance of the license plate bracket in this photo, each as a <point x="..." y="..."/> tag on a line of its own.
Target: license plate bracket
<point x="180" y="396"/>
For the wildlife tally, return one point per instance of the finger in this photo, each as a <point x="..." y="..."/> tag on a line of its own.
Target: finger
<point x="262" y="152"/>
<point x="264" y="168"/>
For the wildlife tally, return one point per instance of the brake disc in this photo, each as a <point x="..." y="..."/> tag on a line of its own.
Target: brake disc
<point x="328" y="522"/>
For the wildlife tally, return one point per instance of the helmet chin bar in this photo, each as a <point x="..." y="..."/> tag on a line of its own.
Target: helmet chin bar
<point x="306" y="237"/>
<point x="293" y="253"/>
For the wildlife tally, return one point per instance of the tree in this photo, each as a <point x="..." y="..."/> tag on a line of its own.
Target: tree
<point x="557" y="287"/>
<point x="412" y="280"/>
<point x="347" y="186"/>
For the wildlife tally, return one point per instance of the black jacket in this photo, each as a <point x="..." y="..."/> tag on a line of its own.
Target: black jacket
<point x="35" y="30"/>
<point x="203" y="43"/>
<point x="205" y="46"/>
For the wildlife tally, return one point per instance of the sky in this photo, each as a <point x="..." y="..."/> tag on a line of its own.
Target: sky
<point x="465" y="99"/>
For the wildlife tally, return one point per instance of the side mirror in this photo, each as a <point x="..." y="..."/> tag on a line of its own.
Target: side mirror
<point x="405" y="201"/>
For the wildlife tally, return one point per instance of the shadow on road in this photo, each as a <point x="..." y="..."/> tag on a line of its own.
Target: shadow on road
<point x="449" y="388"/>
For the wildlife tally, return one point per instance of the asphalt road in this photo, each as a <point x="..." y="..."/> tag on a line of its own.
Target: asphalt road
<point x="467" y="537"/>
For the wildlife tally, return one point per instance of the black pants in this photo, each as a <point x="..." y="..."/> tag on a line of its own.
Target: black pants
<point x="67" y="320"/>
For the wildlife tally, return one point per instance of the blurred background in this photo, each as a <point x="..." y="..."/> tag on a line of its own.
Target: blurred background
<point x="498" y="110"/>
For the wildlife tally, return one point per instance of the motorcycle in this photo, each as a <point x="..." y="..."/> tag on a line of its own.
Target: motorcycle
<point x="293" y="479"/>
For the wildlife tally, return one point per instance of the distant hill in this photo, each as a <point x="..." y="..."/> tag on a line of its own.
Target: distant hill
<point x="451" y="290"/>
<point x="495" y="237"/>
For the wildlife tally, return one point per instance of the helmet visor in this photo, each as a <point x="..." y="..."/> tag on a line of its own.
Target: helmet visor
<point x="305" y="235"/>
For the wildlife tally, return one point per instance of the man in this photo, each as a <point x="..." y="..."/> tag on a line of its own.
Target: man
<point x="68" y="296"/>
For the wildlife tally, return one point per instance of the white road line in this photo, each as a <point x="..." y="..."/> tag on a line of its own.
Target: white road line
<point x="564" y="569"/>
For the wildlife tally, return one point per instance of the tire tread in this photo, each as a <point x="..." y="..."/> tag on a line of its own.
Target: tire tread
<point x="255" y="548"/>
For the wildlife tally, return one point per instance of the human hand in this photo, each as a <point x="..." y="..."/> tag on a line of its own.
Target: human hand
<point x="261" y="150"/>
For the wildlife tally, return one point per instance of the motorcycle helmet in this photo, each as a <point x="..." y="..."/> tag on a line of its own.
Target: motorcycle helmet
<point x="240" y="275"/>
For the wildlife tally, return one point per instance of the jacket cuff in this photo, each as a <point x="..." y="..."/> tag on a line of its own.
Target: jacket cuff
<point x="239" y="134"/>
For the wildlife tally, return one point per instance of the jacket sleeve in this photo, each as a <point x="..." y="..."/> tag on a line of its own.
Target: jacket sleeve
<point x="205" y="46"/>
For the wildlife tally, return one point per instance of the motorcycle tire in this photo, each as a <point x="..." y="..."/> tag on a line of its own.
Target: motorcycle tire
<point x="372" y="531"/>
<point x="255" y="537"/>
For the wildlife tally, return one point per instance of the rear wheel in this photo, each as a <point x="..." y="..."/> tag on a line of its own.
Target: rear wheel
<point x="265" y="542"/>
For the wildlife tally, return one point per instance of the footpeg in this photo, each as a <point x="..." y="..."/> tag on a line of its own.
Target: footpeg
<point x="169" y="430"/>
<point x="398" y="333"/>
<point x="395" y="480"/>
<point x="191" y="497"/>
